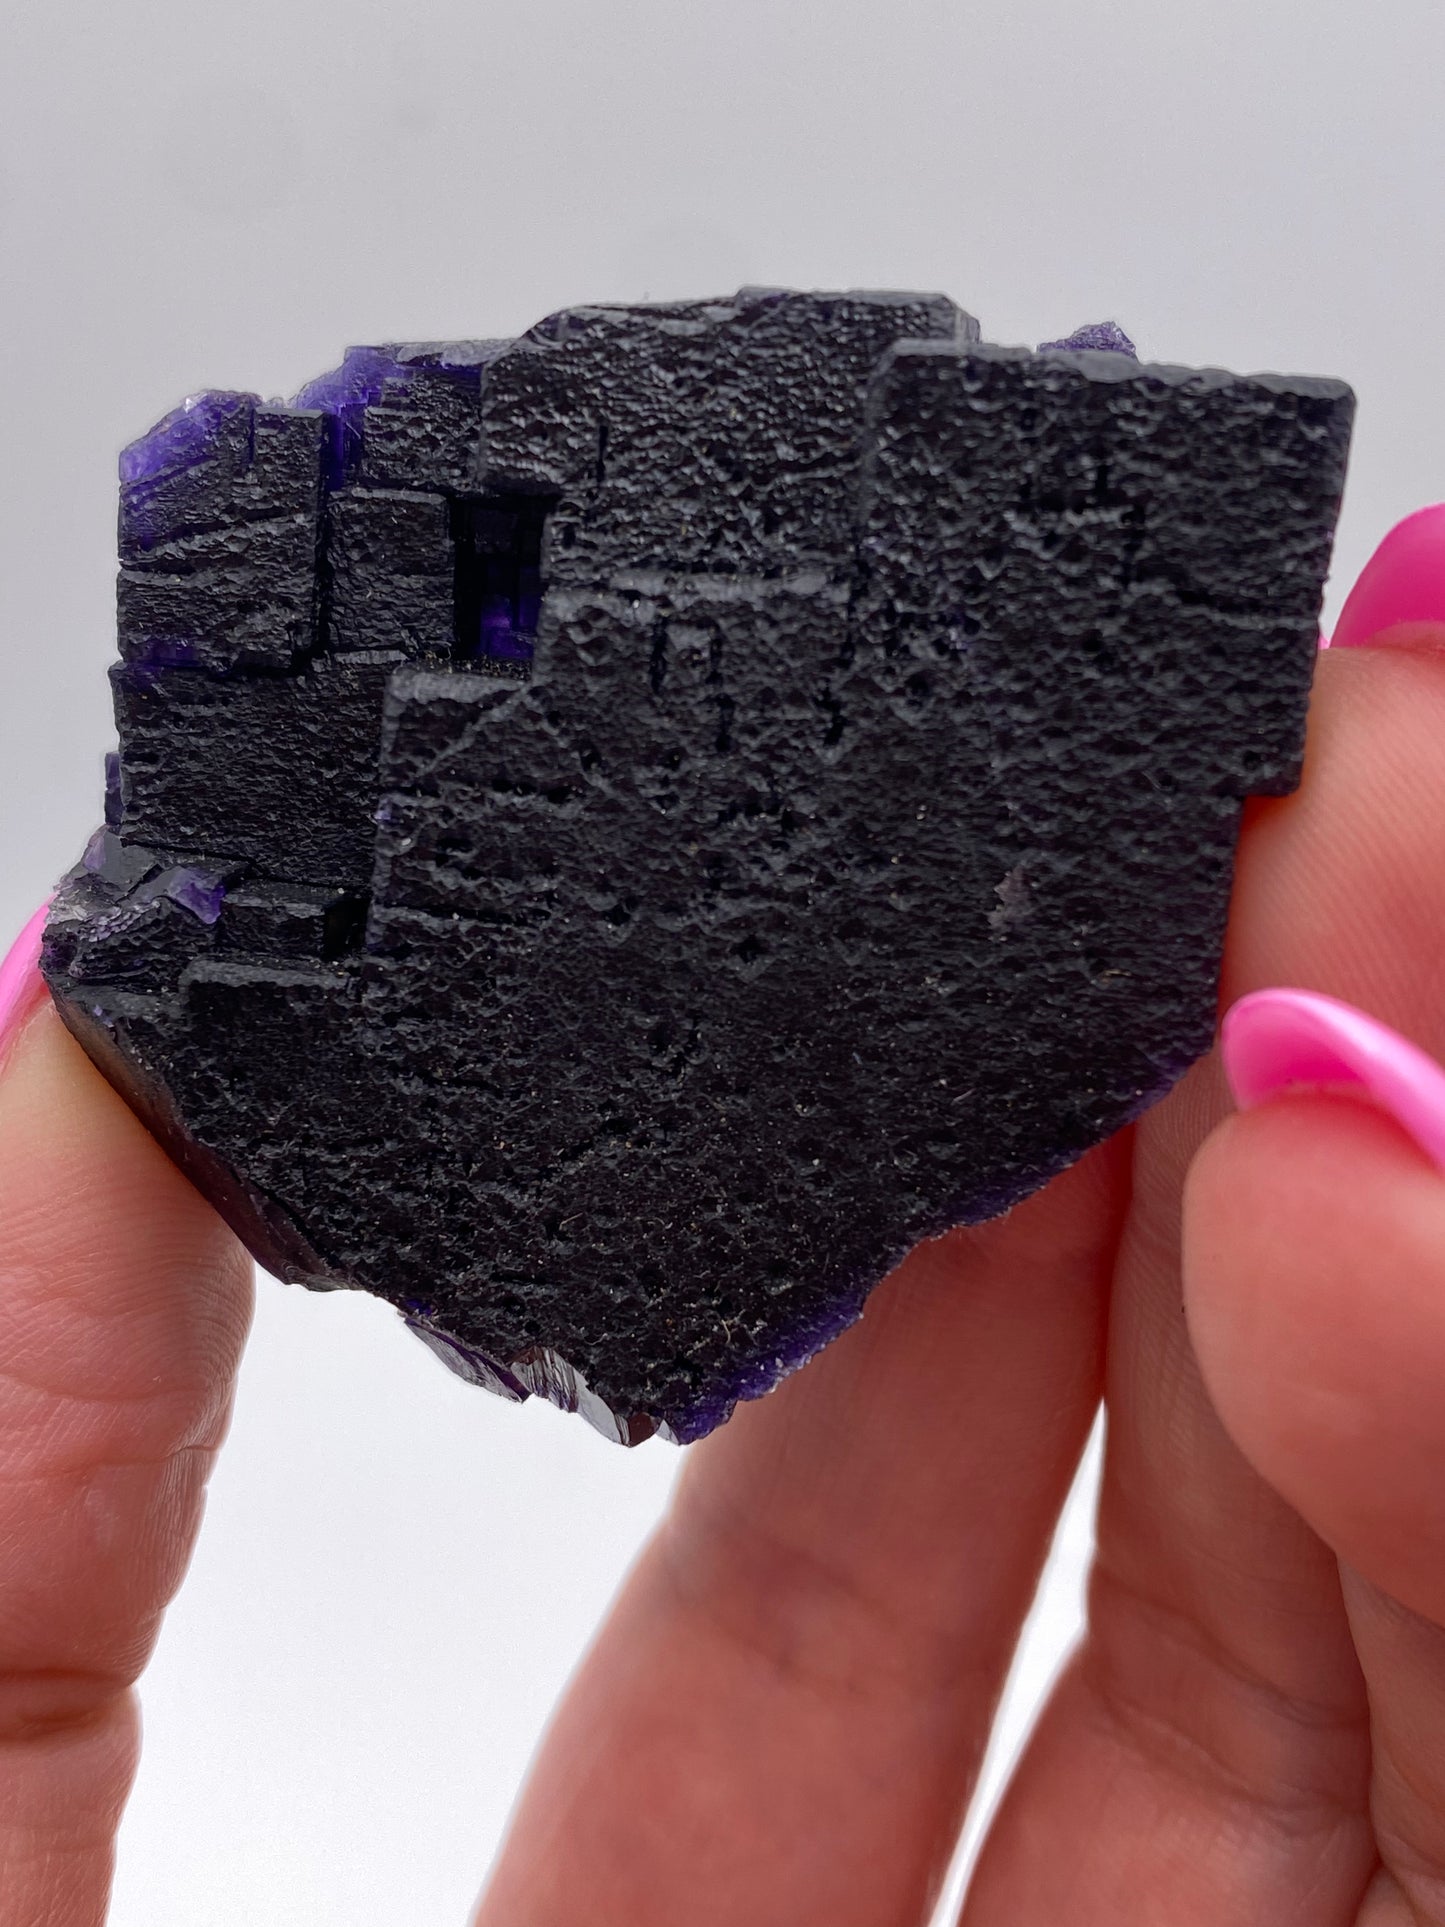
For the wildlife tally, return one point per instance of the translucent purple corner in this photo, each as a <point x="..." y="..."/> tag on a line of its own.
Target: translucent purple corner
<point x="182" y="438"/>
<point x="343" y="395"/>
<point x="1106" y="336"/>
<point x="201" y="892"/>
<point x="359" y="381"/>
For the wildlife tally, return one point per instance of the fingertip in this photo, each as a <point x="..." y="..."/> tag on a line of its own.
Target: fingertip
<point x="1280" y="1039"/>
<point x="119" y="1280"/>
<point x="1399" y="599"/>
<point x="22" y="988"/>
<point x="1314" y="1281"/>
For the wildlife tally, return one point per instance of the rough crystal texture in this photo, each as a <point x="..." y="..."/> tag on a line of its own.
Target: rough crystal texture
<point x="1106" y="336"/>
<point x="619" y="834"/>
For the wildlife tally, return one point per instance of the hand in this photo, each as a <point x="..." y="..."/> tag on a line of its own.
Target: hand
<point x="782" y="1721"/>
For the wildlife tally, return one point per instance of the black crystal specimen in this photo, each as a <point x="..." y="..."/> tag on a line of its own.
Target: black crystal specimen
<point x="619" y="834"/>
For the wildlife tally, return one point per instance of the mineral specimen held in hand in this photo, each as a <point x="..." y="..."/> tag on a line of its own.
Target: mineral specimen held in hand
<point x="619" y="833"/>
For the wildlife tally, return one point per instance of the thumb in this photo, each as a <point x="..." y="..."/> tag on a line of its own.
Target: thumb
<point x="123" y="1305"/>
<point x="1314" y="1263"/>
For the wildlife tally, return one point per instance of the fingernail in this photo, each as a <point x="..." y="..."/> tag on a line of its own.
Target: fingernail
<point x="21" y="984"/>
<point x="1399" y="600"/>
<point x="1277" y="1040"/>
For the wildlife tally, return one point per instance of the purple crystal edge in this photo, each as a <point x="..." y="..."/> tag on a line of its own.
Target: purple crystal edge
<point x="1104" y="337"/>
<point x="183" y="437"/>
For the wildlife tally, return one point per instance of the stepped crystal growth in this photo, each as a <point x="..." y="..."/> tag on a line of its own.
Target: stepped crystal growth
<point x="618" y="834"/>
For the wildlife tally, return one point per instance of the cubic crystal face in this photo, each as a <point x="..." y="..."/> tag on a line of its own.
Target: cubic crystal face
<point x="619" y="834"/>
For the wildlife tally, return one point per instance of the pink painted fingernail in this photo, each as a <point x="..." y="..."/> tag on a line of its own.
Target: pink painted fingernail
<point x="1399" y="600"/>
<point x="21" y="984"/>
<point x="1276" y="1040"/>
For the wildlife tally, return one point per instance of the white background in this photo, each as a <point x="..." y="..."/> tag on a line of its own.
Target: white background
<point x="397" y="1573"/>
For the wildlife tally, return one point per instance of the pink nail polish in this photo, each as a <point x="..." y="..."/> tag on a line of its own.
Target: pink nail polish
<point x="21" y="985"/>
<point x="1400" y="596"/>
<point x="1278" y="1039"/>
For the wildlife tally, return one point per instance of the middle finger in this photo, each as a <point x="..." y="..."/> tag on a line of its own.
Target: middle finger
<point x="784" y="1718"/>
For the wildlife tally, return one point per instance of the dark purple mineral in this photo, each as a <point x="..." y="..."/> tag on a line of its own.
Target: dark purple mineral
<point x="1106" y="336"/>
<point x="620" y="833"/>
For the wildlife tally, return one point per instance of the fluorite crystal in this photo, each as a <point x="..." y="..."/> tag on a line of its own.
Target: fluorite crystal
<point x="620" y="833"/>
<point x="1106" y="336"/>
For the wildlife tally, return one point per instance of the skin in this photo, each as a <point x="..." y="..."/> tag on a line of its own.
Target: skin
<point x="783" y="1718"/>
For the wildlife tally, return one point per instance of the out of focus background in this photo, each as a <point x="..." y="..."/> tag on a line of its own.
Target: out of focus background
<point x="397" y="1573"/>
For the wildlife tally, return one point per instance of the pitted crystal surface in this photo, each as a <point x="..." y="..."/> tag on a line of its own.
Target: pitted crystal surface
<point x="618" y="834"/>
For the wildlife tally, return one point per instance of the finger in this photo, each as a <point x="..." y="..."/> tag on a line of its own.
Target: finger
<point x="1207" y="1757"/>
<point x="1316" y="1286"/>
<point x="784" y="1717"/>
<point x="1316" y="1291"/>
<point x="123" y="1305"/>
<point x="1397" y="600"/>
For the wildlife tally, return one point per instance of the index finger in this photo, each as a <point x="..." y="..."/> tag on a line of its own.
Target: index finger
<point x="124" y="1303"/>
